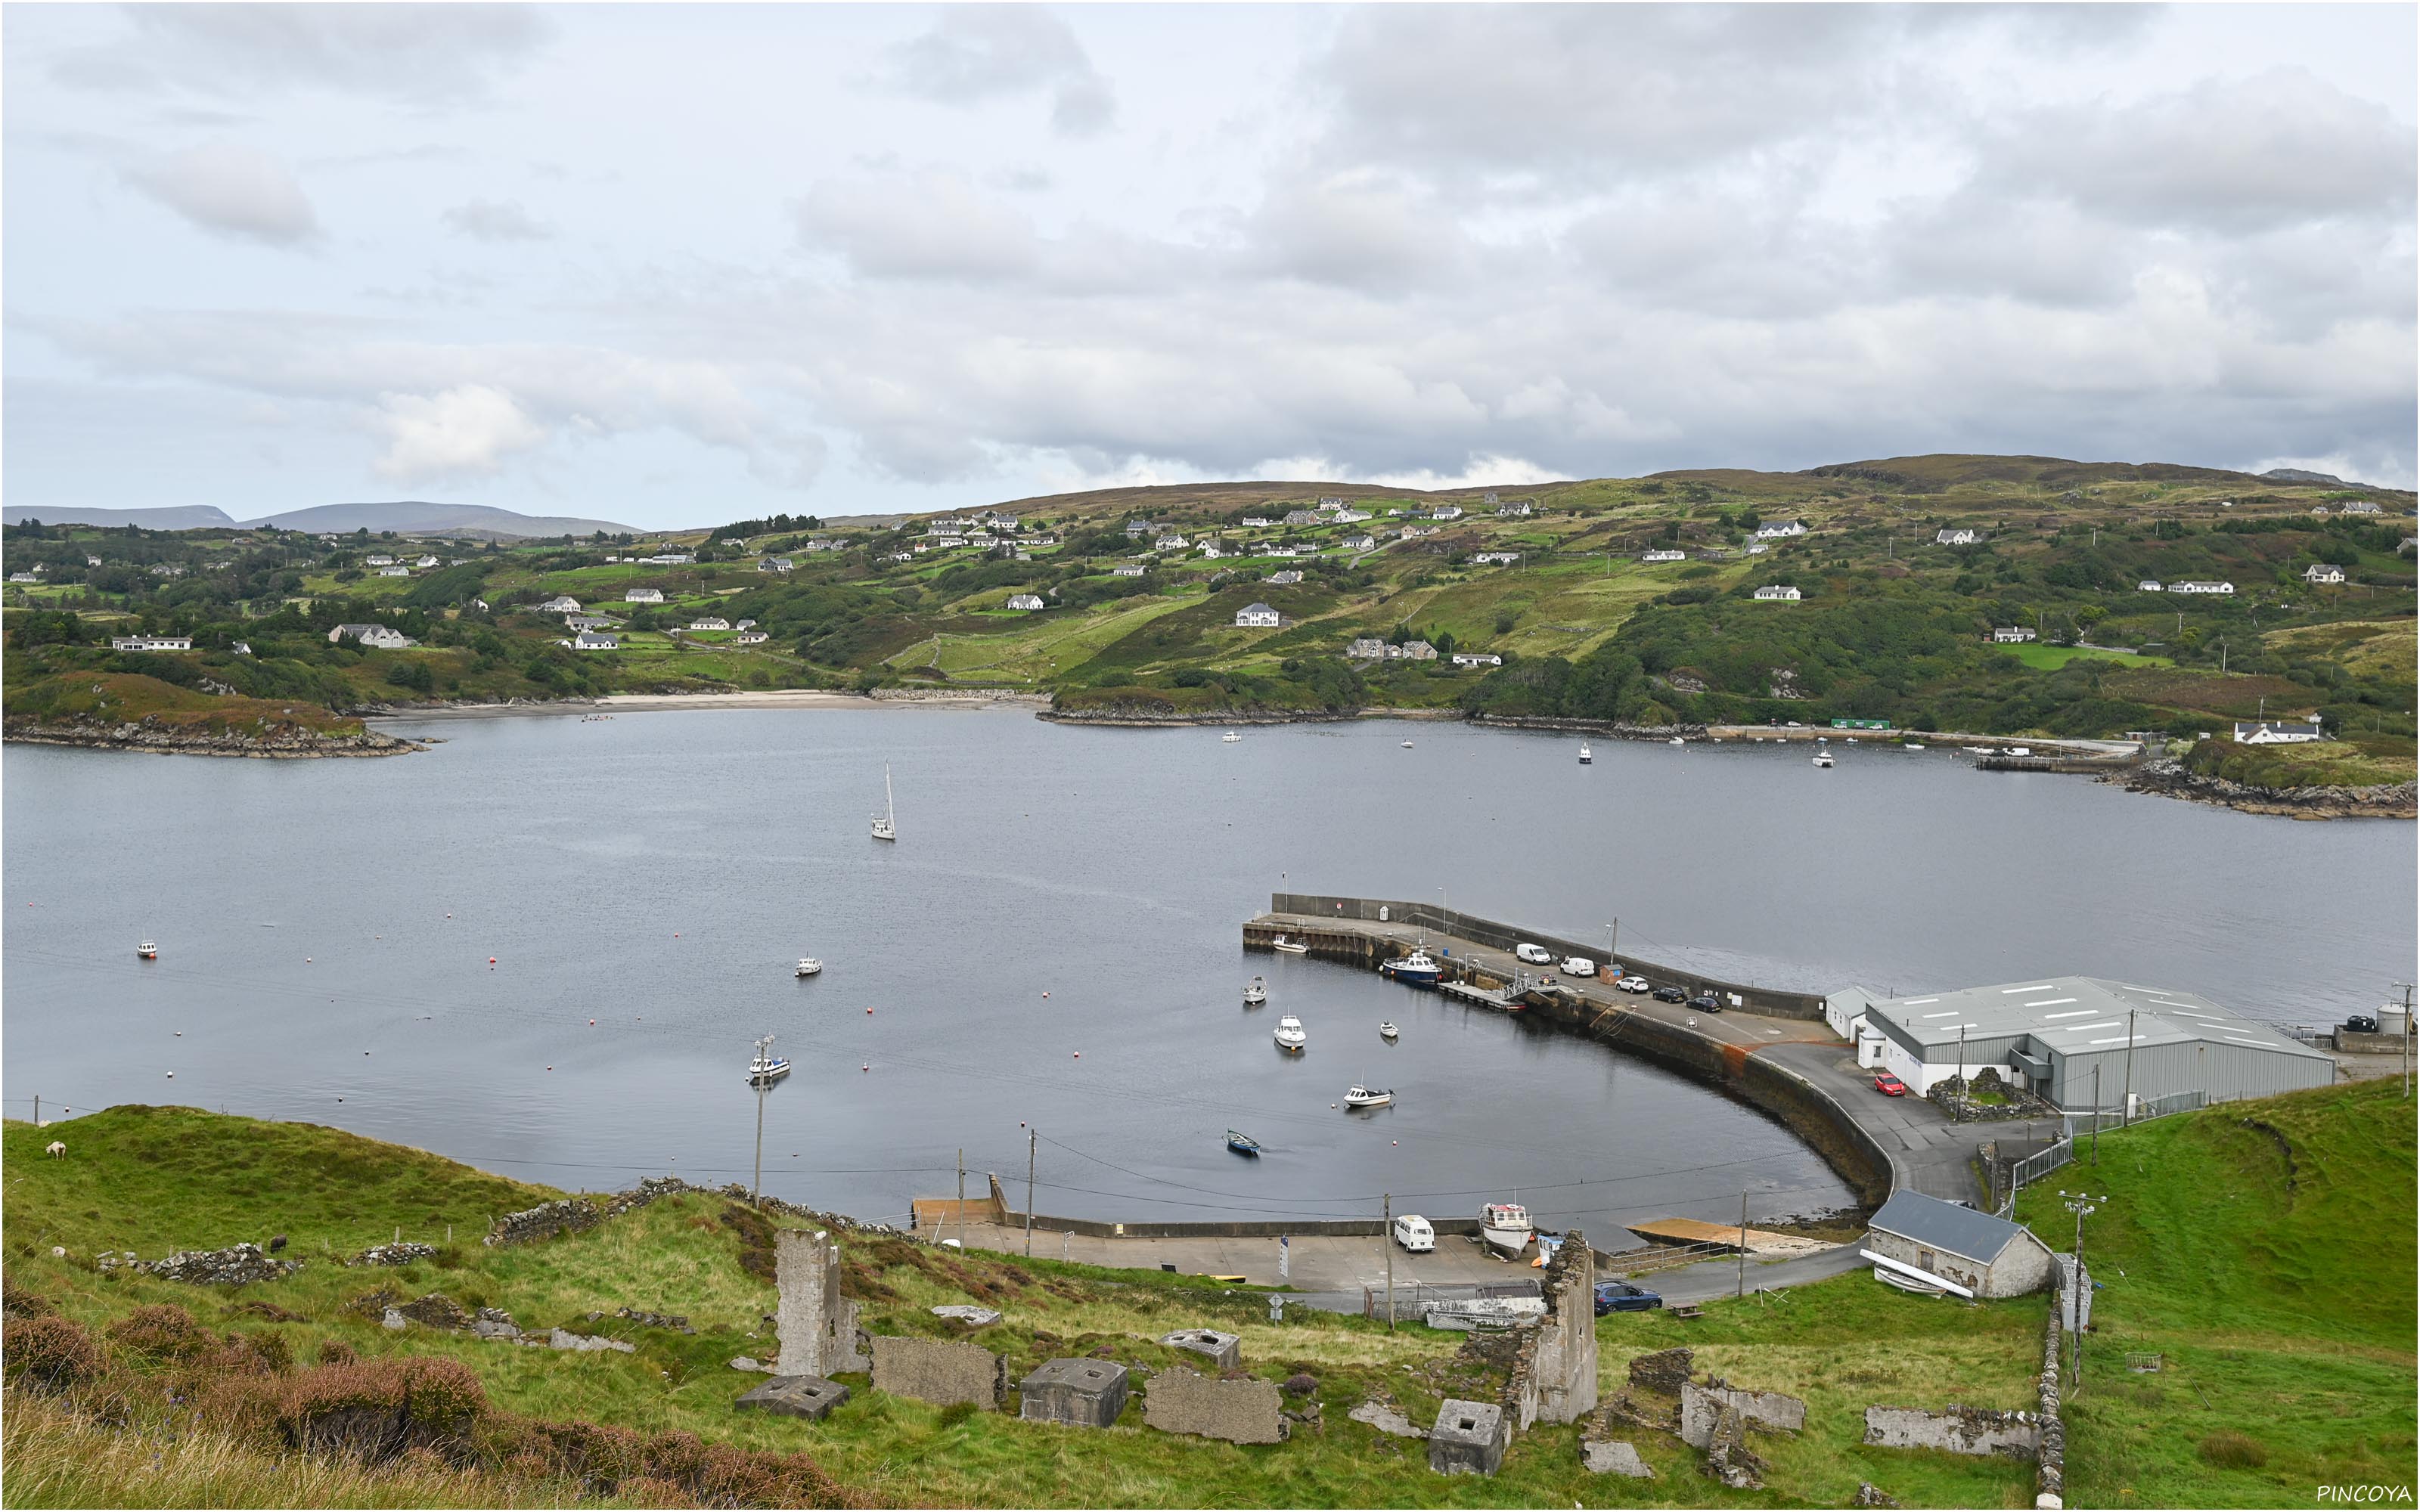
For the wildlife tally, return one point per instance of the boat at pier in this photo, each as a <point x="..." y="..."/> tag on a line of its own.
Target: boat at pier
<point x="1289" y="947"/>
<point x="1242" y="1144"/>
<point x="1414" y="970"/>
<point x="1369" y="1097"/>
<point x="1291" y="1036"/>
<point x="1256" y="992"/>
<point x="1505" y="1228"/>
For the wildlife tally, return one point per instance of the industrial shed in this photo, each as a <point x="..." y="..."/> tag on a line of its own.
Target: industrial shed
<point x="2050" y="1036"/>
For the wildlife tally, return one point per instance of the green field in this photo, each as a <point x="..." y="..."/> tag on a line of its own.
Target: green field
<point x="2051" y="658"/>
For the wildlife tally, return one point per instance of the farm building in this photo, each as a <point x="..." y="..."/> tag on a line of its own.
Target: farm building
<point x="2324" y="572"/>
<point x="1926" y="1244"/>
<point x="1956" y="535"/>
<point x="2050" y="1036"/>
<point x="1775" y="591"/>
<point x="2010" y="634"/>
<point x="643" y="595"/>
<point x="1666" y="555"/>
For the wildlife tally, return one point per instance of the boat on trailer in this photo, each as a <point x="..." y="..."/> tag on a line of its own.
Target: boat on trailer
<point x="1505" y="1228"/>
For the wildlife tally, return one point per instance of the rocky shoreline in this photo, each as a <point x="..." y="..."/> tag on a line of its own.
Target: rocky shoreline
<point x="143" y="735"/>
<point x="2169" y="779"/>
<point x="1608" y="728"/>
<point x="1135" y="717"/>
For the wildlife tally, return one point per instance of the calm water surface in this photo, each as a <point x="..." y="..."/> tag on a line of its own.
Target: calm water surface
<point x="1054" y="942"/>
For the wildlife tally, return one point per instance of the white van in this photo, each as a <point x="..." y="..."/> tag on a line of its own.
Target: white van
<point x="1579" y="965"/>
<point x="1537" y="955"/>
<point x="1413" y="1232"/>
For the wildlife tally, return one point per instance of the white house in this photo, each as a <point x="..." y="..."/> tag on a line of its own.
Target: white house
<point x="585" y="621"/>
<point x="425" y="561"/>
<point x="2320" y="510"/>
<point x="750" y="638"/>
<point x="2149" y="585"/>
<point x="1412" y="533"/>
<point x="1256" y="615"/>
<point x="1026" y="603"/>
<point x="1666" y="555"/>
<point x="1476" y="658"/>
<point x="1170" y="543"/>
<point x="2363" y="506"/>
<point x="1772" y="591"/>
<point x="2010" y="634"/>
<point x="2276" y="731"/>
<point x="2324" y="572"/>
<point x="714" y="622"/>
<point x="1254" y="522"/>
<point x="1756" y="548"/>
<point x="2202" y="588"/>
<point x="1125" y="572"/>
<point x="643" y="595"/>
<point x="378" y="559"/>
<point x="1332" y="504"/>
<point x="24" y="577"/>
<point x="1361" y="543"/>
<point x="151" y="643"/>
<point x="376" y="636"/>
<point x="560" y="604"/>
<point x="947" y="543"/>
<point x="1283" y="579"/>
<point x="1446" y="512"/>
<point x="593" y="640"/>
<point x="1517" y="509"/>
<point x="92" y="562"/>
<point x="900" y="556"/>
<point x="394" y="572"/>
<point x="1956" y="535"/>
<point x="743" y="625"/>
<point x="241" y="648"/>
<point x="776" y="564"/>
<point x="1776" y="529"/>
<point x="1503" y="558"/>
<point x="1351" y="517"/>
<point x="1367" y="648"/>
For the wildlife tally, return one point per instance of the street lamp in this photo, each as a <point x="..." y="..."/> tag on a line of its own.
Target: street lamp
<point x="2083" y="1205"/>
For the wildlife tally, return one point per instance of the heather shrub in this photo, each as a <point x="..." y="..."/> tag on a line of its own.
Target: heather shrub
<point x="162" y="1331"/>
<point x="50" y="1353"/>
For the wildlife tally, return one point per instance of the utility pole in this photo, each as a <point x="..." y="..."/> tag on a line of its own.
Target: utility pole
<point x="962" y="1199"/>
<point x="2083" y="1206"/>
<point x="2126" y="1119"/>
<point x="1742" y="1290"/>
<point x="2405" y="1036"/>
<point x="2096" y="1113"/>
<point x="1612" y="939"/>
<point x="1031" y="1136"/>
<point x="764" y="1082"/>
<point x="37" y="1110"/>
<point x="1387" y="1242"/>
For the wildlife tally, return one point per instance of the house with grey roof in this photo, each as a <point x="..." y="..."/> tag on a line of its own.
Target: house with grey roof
<point x="1923" y="1243"/>
<point x="2324" y="572"/>
<point x="1256" y="615"/>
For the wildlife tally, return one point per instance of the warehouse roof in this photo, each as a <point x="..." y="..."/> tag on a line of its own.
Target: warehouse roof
<point x="2078" y="1015"/>
<point x="1947" y="1226"/>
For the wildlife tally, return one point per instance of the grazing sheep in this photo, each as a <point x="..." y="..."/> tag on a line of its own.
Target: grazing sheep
<point x="277" y="1243"/>
<point x="55" y="1149"/>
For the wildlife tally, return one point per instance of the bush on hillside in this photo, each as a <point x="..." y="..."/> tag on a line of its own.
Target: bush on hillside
<point x="50" y="1353"/>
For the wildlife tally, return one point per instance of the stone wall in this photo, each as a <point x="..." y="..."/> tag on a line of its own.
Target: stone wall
<point x="941" y="1371"/>
<point x="1239" y="1411"/>
<point x="1962" y="1431"/>
<point x="2050" y="1466"/>
<point x="565" y="1215"/>
<point x="1701" y="1406"/>
<point x="235" y="1266"/>
<point x="1553" y="1376"/>
<point x="816" y="1324"/>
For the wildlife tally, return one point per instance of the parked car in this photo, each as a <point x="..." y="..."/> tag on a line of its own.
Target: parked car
<point x="1622" y="1297"/>
<point x="1537" y="955"/>
<point x="2362" y="1024"/>
<point x="1635" y="984"/>
<point x="1706" y="1003"/>
<point x="1579" y="966"/>
<point x="1669" y="993"/>
<point x="1888" y="1085"/>
<point x="1413" y="1232"/>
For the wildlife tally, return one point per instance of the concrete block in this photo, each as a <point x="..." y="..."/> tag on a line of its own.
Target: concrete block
<point x="1468" y="1439"/>
<point x="1087" y="1394"/>
<point x="1701" y="1405"/>
<point x="1239" y="1411"/>
<point x="808" y="1397"/>
<point x="941" y="1371"/>
<point x="1388" y="1418"/>
<point x="816" y="1324"/>
<point x="1613" y="1456"/>
<point x="1225" y="1351"/>
<point x="1963" y="1430"/>
<point x="964" y="1313"/>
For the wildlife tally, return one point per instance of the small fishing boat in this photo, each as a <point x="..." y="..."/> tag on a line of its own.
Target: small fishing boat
<point x="1256" y="992"/>
<point x="886" y="824"/>
<point x="1387" y="1030"/>
<point x="1290" y="1037"/>
<point x="1369" y="1097"/>
<point x="1676" y="740"/>
<point x="147" y="950"/>
<point x="1587" y="756"/>
<point x="766" y="1067"/>
<point x="1823" y="758"/>
<point x="1408" y="745"/>
<point x="1414" y="970"/>
<point x="1912" y="746"/>
<point x="1242" y="1144"/>
<point x="1230" y="737"/>
<point x="1505" y="1228"/>
<point x="808" y="965"/>
<point x="1289" y="947"/>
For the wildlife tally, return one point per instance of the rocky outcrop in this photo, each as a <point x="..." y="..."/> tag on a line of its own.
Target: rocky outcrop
<point x="236" y="1266"/>
<point x="2398" y="800"/>
<point x="171" y="739"/>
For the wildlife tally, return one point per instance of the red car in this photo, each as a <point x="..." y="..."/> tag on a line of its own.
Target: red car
<point x="1888" y="1085"/>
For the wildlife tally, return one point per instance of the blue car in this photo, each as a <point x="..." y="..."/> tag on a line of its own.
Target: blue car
<point x="1622" y="1297"/>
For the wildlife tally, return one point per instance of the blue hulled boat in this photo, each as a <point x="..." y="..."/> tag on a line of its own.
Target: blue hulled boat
<point x="1414" y="970"/>
<point x="1242" y="1144"/>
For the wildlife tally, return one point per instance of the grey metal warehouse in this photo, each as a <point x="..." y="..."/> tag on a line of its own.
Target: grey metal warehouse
<point x="2050" y="1035"/>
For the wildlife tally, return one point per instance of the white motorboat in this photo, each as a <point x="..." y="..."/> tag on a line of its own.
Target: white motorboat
<point x="1912" y="746"/>
<point x="1823" y="758"/>
<point x="1290" y="1035"/>
<point x="1256" y="992"/>
<point x="1676" y="740"/>
<point x="1289" y="947"/>
<point x="886" y="824"/>
<point x="1387" y="1030"/>
<point x="808" y="965"/>
<point x="1587" y="756"/>
<point x="767" y="1066"/>
<point x="1230" y="737"/>
<point x="1505" y="1228"/>
<point x="1408" y="745"/>
<point x="147" y="950"/>
<point x="1369" y="1097"/>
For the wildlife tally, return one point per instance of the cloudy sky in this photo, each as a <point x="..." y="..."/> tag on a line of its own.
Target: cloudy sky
<point x="686" y="263"/>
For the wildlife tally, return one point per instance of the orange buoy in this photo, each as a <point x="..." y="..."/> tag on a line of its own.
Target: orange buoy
<point x="1079" y="1054"/>
<point x="592" y="1024"/>
<point x="492" y="961"/>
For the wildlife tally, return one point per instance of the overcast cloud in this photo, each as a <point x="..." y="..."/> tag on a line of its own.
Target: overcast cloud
<point x="683" y="265"/>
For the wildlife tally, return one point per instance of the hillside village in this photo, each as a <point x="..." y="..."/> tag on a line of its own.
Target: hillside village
<point x="2005" y="596"/>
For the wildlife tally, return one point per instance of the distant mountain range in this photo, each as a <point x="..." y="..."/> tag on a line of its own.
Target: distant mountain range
<point x="410" y="516"/>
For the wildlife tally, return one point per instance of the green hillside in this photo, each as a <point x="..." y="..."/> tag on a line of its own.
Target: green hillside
<point x="1890" y="622"/>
